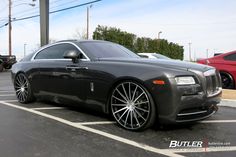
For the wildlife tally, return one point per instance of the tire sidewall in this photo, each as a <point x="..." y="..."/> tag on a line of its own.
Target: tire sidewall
<point x="152" y="115"/>
<point x="228" y="76"/>
<point x="30" y="96"/>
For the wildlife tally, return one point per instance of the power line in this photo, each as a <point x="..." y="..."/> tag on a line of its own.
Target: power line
<point x="62" y="4"/>
<point x="32" y="10"/>
<point x="52" y="12"/>
<point x="55" y="11"/>
<point x="4" y="25"/>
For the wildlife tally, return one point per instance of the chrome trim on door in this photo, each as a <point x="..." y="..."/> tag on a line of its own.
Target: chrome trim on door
<point x="64" y="42"/>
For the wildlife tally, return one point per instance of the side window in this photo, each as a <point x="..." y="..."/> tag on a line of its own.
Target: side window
<point x="231" y="57"/>
<point x="55" y="51"/>
<point x="143" y="56"/>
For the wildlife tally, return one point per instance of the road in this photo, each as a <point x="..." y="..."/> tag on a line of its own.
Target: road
<point x="46" y="129"/>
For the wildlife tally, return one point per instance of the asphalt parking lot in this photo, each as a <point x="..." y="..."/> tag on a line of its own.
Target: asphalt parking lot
<point x="46" y="129"/>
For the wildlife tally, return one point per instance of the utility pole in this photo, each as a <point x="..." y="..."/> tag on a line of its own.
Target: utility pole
<point x="10" y="28"/>
<point x="10" y="24"/>
<point x="190" y="58"/>
<point x="87" y="35"/>
<point x="44" y="22"/>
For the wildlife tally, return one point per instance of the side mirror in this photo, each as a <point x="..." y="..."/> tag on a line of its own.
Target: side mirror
<point x="71" y="54"/>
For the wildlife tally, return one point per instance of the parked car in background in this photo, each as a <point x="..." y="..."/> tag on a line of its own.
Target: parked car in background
<point x="153" y="56"/>
<point x="226" y="64"/>
<point x="6" y="62"/>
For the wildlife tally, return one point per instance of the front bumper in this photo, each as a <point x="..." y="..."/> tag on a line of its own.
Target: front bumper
<point x="194" y="108"/>
<point x="176" y="106"/>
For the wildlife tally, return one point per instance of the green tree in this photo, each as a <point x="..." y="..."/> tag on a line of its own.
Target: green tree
<point x="138" y="44"/>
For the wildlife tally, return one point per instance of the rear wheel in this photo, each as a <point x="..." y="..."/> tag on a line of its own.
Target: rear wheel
<point x="23" y="89"/>
<point x="8" y="67"/>
<point x="227" y="80"/>
<point x="132" y="106"/>
<point x="1" y="67"/>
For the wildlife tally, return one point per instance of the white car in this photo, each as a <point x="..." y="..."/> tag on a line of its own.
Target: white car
<point x="153" y="56"/>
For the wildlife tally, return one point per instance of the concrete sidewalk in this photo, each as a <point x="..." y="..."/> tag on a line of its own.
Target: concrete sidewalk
<point x="229" y="94"/>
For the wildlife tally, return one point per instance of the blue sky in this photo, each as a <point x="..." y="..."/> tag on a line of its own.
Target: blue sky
<point x="207" y="24"/>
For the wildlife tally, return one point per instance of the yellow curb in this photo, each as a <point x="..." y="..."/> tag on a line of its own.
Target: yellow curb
<point x="228" y="94"/>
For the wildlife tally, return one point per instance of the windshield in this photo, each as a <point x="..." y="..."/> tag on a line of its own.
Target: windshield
<point x="101" y="49"/>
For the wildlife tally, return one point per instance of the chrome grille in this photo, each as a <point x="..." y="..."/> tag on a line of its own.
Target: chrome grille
<point x="213" y="85"/>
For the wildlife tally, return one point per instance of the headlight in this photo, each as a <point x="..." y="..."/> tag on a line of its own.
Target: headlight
<point x="185" y="80"/>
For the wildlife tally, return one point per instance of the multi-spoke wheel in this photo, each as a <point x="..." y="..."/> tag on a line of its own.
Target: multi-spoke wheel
<point x="22" y="88"/>
<point x="132" y="106"/>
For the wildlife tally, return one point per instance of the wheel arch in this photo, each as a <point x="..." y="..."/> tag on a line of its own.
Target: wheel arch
<point x="124" y="79"/>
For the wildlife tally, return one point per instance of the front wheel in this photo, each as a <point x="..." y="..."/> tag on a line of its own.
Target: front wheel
<point x="132" y="106"/>
<point x="23" y="89"/>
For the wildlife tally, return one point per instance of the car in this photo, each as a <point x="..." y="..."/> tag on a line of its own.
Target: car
<point x="107" y="77"/>
<point x="153" y="56"/>
<point x="7" y="61"/>
<point x="226" y="65"/>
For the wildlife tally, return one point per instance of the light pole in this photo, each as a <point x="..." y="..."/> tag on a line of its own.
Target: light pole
<point x="190" y="57"/>
<point x="10" y="23"/>
<point x="25" y="49"/>
<point x="87" y="36"/>
<point x="9" y="27"/>
<point x="159" y="34"/>
<point x="207" y="52"/>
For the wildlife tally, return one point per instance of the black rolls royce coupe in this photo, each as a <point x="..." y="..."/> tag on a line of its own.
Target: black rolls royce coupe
<point x="108" y="77"/>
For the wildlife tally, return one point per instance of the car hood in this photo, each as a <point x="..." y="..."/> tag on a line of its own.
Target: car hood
<point x="172" y="64"/>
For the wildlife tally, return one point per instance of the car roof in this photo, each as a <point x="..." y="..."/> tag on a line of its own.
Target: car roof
<point x="224" y="54"/>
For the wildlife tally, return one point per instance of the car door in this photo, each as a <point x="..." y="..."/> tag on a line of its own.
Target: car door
<point x="60" y="78"/>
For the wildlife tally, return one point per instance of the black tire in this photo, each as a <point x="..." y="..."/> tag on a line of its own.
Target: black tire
<point x="227" y="80"/>
<point x="8" y="67"/>
<point x="23" y="89"/>
<point x="1" y="68"/>
<point x="132" y="106"/>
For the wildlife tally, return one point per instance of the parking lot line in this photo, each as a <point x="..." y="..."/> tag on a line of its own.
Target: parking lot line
<point x="203" y="150"/>
<point x="48" y="108"/>
<point x="218" y="121"/>
<point x="96" y="123"/>
<point x="98" y="132"/>
<point x="7" y="91"/>
<point x="7" y="95"/>
<point x="13" y="100"/>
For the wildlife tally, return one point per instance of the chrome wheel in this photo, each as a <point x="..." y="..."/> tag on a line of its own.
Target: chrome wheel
<point x="22" y="88"/>
<point x="130" y="105"/>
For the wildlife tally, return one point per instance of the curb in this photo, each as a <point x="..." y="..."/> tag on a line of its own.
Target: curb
<point x="228" y="103"/>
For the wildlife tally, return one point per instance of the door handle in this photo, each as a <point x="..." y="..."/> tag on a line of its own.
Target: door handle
<point x="75" y="68"/>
